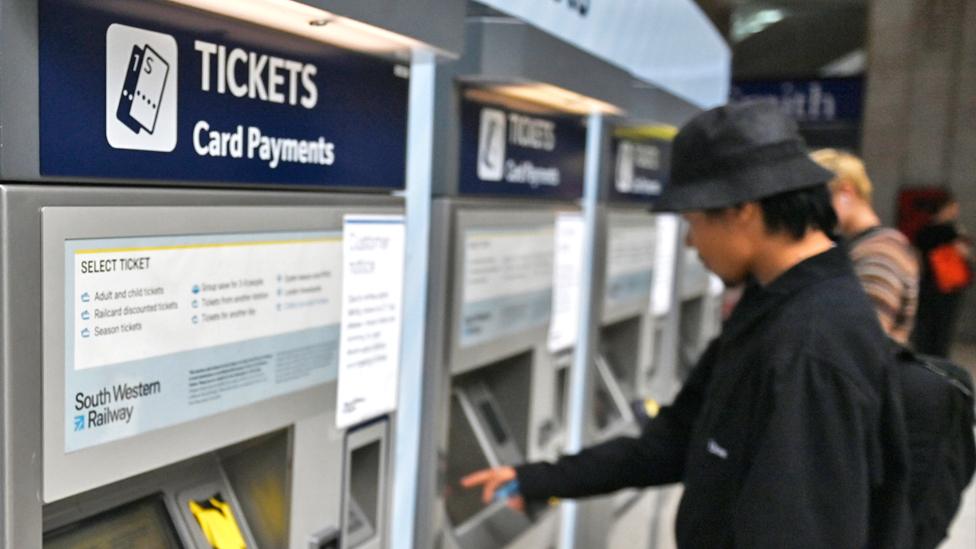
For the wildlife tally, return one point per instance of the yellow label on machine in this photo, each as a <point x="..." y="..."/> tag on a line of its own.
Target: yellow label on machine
<point x="217" y="521"/>
<point x="652" y="407"/>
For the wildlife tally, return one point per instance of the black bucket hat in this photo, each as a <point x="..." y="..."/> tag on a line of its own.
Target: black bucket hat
<point x="737" y="153"/>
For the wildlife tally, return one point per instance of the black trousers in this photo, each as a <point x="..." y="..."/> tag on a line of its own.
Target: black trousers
<point x="935" y="322"/>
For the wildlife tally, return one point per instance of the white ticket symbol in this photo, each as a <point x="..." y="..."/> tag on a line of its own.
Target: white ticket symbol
<point x="142" y="92"/>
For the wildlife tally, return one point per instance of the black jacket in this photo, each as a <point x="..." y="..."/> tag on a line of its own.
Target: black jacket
<point x="788" y="433"/>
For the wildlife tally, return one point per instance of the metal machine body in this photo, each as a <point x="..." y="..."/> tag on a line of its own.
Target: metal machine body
<point x="177" y="436"/>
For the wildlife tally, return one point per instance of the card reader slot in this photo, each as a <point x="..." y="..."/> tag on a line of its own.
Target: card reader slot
<point x="365" y="485"/>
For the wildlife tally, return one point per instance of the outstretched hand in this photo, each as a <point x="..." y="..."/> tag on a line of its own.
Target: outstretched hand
<point x="491" y="480"/>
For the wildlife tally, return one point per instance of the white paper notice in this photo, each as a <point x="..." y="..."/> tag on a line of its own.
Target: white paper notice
<point x="666" y="254"/>
<point x="566" y="275"/>
<point x="372" y="300"/>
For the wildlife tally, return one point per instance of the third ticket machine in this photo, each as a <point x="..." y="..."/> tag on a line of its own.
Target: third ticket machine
<point x="513" y="164"/>
<point x="626" y="360"/>
<point x="174" y="352"/>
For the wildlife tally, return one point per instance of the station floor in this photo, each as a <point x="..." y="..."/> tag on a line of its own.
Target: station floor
<point x="962" y="535"/>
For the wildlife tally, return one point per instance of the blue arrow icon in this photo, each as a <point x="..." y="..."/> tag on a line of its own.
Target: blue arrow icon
<point x="86" y="332"/>
<point x="85" y="298"/>
<point x="195" y="304"/>
<point x="79" y="423"/>
<point x="85" y="315"/>
<point x="196" y="288"/>
<point x="195" y="319"/>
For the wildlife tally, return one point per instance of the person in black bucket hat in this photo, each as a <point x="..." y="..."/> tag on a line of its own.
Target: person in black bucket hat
<point x="736" y="154"/>
<point x="789" y="431"/>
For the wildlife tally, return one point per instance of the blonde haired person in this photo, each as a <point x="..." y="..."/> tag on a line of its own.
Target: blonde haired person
<point x="883" y="258"/>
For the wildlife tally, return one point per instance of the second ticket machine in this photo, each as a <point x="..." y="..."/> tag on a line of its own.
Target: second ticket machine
<point x="171" y="345"/>
<point x="514" y="143"/>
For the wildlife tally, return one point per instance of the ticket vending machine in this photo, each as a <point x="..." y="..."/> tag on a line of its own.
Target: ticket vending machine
<point x="180" y="314"/>
<point x="188" y="370"/>
<point x="514" y="144"/>
<point x="502" y="406"/>
<point x="626" y="364"/>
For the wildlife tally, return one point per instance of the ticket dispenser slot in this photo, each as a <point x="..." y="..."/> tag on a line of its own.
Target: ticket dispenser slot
<point x="364" y="490"/>
<point x="619" y="344"/>
<point x="479" y="437"/>
<point x="258" y="472"/>
<point x="214" y="517"/>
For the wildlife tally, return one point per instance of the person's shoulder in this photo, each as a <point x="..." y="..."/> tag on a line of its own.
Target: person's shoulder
<point x="884" y="238"/>
<point x="835" y="325"/>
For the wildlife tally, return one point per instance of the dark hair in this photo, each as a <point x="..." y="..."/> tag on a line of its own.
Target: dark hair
<point x="795" y="212"/>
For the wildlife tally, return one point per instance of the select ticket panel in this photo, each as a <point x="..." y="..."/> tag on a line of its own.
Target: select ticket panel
<point x="164" y="330"/>
<point x="507" y="281"/>
<point x="630" y="263"/>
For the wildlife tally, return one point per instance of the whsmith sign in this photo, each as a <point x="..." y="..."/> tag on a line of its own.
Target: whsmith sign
<point x="161" y="92"/>
<point x="510" y="152"/>
<point x="825" y="100"/>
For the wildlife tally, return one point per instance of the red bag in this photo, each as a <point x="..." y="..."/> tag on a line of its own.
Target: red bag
<point x="949" y="268"/>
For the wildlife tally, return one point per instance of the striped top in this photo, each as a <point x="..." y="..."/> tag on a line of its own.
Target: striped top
<point x="888" y="269"/>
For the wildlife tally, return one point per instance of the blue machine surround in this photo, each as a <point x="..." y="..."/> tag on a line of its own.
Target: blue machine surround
<point x="240" y="103"/>
<point x="508" y="152"/>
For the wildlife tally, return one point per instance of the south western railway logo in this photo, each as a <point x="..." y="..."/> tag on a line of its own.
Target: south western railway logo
<point x="112" y="404"/>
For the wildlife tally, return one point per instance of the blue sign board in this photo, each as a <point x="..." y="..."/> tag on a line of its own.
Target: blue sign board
<point x="150" y="90"/>
<point x="823" y="100"/>
<point x="641" y="170"/>
<point x="506" y="152"/>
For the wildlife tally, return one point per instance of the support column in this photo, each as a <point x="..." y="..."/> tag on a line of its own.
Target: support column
<point x="409" y="509"/>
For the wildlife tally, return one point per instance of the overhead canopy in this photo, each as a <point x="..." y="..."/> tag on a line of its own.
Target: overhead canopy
<point x="669" y="44"/>
<point x="507" y="53"/>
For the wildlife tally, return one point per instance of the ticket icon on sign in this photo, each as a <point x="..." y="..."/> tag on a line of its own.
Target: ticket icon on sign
<point x="142" y="92"/>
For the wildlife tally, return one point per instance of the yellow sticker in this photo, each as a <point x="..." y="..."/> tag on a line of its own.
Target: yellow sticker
<point x="219" y="526"/>
<point x="652" y="407"/>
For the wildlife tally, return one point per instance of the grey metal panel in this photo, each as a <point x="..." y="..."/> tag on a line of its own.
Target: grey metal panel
<point x="408" y="17"/>
<point x="650" y="105"/>
<point x="375" y="433"/>
<point x="632" y="527"/>
<point x="316" y="468"/>
<point x="147" y="451"/>
<point x="20" y="323"/>
<point x="489" y="214"/>
<point x="18" y="90"/>
<point x="507" y="50"/>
